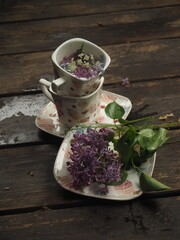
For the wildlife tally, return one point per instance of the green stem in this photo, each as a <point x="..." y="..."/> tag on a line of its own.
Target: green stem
<point x="140" y="119"/>
<point x="80" y="50"/>
<point x="117" y="128"/>
<point x="161" y="126"/>
<point x="134" y="166"/>
<point x="115" y="125"/>
<point x="99" y="126"/>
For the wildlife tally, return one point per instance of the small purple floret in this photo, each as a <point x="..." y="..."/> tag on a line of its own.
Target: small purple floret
<point x="125" y="81"/>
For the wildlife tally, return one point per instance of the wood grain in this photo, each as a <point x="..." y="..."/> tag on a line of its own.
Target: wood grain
<point x="17" y="118"/>
<point x="143" y="41"/>
<point x="145" y="219"/>
<point x="151" y="98"/>
<point x="105" y="29"/>
<point x="28" y="173"/>
<point x="27" y="181"/>
<point x="27" y="10"/>
<point x="138" y="61"/>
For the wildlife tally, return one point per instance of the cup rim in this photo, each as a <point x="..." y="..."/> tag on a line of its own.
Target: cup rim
<point x="53" y="56"/>
<point x="82" y="97"/>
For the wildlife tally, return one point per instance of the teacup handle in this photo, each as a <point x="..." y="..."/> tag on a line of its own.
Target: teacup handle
<point x="57" y="83"/>
<point x="44" y="86"/>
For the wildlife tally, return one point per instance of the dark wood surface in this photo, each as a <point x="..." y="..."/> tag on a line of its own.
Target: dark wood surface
<point x="139" y="219"/>
<point x="143" y="40"/>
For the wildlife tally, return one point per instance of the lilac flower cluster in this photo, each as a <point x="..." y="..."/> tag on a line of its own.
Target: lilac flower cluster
<point x="82" y="65"/>
<point x="92" y="160"/>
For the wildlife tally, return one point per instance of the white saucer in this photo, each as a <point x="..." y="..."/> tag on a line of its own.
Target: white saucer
<point x="48" y="121"/>
<point x="129" y="190"/>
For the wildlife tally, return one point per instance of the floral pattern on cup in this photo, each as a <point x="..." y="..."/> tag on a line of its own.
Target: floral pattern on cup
<point x="74" y="110"/>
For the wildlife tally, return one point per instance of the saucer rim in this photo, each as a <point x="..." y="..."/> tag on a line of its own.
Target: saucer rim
<point x="60" y="158"/>
<point x="63" y="135"/>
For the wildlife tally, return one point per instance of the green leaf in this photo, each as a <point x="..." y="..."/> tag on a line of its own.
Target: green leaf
<point x="151" y="140"/>
<point x="124" y="175"/>
<point x="125" y="153"/>
<point x="125" y="147"/>
<point x="110" y="137"/>
<point x="145" y="154"/>
<point x="158" y="139"/>
<point x="148" y="183"/>
<point x="144" y="137"/>
<point x="147" y="132"/>
<point x="136" y="158"/>
<point x="114" y="110"/>
<point x="131" y="135"/>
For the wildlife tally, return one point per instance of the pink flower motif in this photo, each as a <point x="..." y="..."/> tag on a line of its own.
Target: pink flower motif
<point x="125" y="185"/>
<point x="100" y="119"/>
<point x="46" y="124"/>
<point x="102" y="106"/>
<point x="53" y="114"/>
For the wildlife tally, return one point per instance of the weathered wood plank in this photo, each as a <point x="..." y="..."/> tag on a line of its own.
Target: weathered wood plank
<point x="152" y="98"/>
<point x="137" y="61"/>
<point x="27" y="181"/>
<point x="166" y="171"/>
<point x="17" y="114"/>
<point x="145" y="219"/>
<point x="28" y="178"/>
<point x="105" y="29"/>
<point x="27" y="10"/>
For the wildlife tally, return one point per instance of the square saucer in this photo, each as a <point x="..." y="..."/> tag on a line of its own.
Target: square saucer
<point x="48" y="121"/>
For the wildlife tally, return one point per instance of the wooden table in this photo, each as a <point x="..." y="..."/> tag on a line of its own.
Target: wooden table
<point x="143" y="40"/>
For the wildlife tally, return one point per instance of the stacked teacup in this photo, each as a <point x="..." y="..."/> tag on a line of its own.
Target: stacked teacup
<point x="78" y="68"/>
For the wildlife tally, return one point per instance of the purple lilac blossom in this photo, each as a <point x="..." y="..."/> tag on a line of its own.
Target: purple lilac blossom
<point x="92" y="160"/>
<point x="82" y="72"/>
<point x="82" y="65"/>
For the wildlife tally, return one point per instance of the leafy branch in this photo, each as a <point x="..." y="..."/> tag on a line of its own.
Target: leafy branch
<point x="135" y="144"/>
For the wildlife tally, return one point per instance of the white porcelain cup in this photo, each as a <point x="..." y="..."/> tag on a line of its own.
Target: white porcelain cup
<point x="72" y="85"/>
<point x="74" y="110"/>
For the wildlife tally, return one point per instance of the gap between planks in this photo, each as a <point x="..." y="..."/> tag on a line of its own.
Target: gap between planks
<point x="92" y="13"/>
<point x="38" y="91"/>
<point x="116" y="29"/>
<point x="87" y="201"/>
